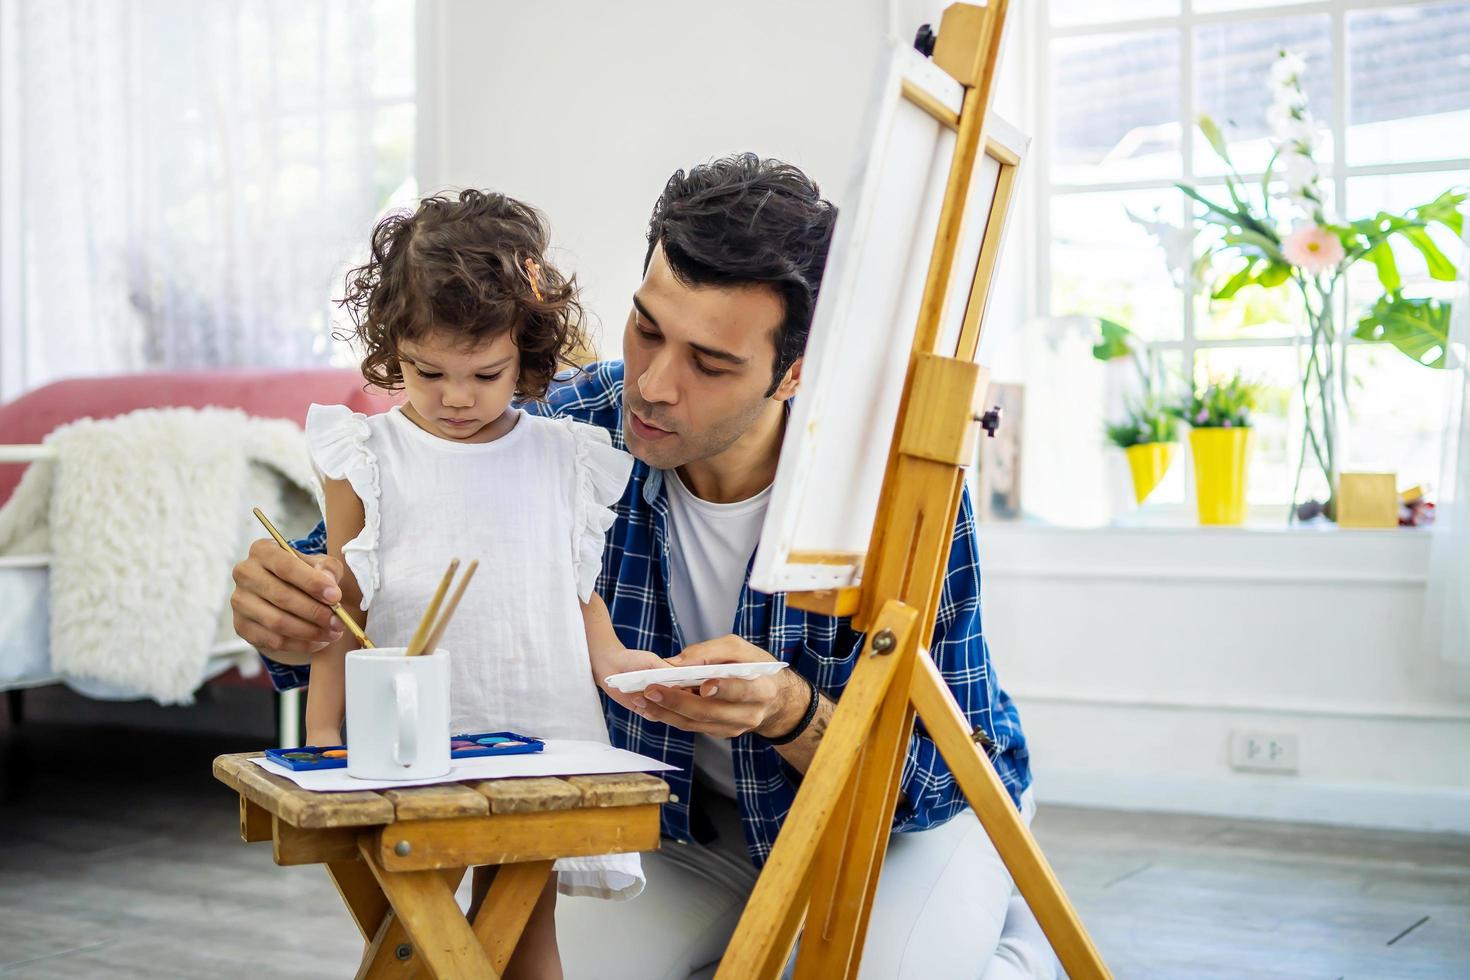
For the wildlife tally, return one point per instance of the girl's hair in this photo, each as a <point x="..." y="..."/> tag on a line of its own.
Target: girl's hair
<point x="460" y="267"/>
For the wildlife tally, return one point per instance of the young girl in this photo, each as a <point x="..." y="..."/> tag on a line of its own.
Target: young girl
<point x="459" y="308"/>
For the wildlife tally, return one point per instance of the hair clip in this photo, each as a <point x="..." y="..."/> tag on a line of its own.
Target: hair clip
<point x="533" y="272"/>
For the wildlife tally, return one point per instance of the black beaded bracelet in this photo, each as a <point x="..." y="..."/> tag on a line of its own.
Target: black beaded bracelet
<point x="806" y="719"/>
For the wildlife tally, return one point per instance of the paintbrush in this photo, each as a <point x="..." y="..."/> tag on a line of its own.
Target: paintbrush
<point x="341" y="613"/>
<point x="426" y="624"/>
<point x="443" y="623"/>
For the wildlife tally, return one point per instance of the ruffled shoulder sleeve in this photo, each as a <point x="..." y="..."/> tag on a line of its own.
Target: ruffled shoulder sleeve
<point x="339" y="442"/>
<point x="602" y="475"/>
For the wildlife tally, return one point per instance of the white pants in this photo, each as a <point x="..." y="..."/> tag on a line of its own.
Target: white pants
<point x="943" y="898"/>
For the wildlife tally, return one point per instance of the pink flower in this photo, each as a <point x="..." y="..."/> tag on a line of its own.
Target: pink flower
<point x="1313" y="248"/>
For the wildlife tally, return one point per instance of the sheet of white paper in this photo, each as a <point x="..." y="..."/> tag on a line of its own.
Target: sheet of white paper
<point x="561" y="757"/>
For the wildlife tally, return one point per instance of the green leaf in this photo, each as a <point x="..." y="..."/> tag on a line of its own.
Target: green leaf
<point x="1235" y="282"/>
<point x="1440" y="267"/>
<point x="1114" y="343"/>
<point x="1445" y="210"/>
<point x="1214" y="137"/>
<point x="1420" y="327"/>
<point x="1274" y="274"/>
<point x="1381" y="255"/>
<point x="1255" y="241"/>
<point x="1266" y="181"/>
<point x="1224" y="212"/>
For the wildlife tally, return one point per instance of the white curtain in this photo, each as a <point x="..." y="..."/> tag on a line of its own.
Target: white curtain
<point x="1447" y="609"/>
<point x="194" y="176"/>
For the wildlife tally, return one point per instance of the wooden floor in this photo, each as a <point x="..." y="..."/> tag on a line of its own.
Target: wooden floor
<point x="120" y="875"/>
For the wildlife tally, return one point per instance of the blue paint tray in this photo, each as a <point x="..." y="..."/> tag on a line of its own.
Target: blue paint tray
<point x="467" y="746"/>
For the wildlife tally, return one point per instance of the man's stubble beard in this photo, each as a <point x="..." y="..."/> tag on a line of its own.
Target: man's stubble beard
<point x="688" y="448"/>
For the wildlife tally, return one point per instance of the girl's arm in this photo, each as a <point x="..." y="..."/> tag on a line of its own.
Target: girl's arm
<point x="606" y="651"/>
<point x="326" y="696"/>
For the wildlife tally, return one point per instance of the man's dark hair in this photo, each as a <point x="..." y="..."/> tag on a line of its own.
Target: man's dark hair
<point x="741" y="220"/>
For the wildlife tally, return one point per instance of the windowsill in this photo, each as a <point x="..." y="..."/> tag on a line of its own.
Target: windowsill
<point x="1255" y="552"/>
<point x="1185" y="523"/>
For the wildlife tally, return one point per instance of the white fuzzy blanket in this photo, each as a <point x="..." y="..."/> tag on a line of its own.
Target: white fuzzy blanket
<point x="145" y="515"/>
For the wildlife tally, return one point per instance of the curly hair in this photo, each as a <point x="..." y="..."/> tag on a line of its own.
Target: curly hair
<point x="459" y="267"/>
<point x="742" y="220"/>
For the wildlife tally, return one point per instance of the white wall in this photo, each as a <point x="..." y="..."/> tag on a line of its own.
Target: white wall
<point x="1133" y="654"/>
<point x="584" y="108"/>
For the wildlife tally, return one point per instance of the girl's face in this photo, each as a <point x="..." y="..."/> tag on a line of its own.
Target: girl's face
<point x="457" y="392"/>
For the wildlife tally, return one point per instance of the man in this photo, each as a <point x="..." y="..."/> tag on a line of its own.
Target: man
<point x="712" y="354"/>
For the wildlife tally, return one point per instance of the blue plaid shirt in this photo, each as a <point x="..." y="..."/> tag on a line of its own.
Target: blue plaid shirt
<point x="635" y="585"/>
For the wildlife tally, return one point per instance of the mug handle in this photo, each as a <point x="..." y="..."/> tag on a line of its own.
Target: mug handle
<point x="406" y="736"/>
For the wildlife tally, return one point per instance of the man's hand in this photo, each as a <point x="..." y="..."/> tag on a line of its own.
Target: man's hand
<point x="732" y="706"/>
<point x="620" y="660"/>
<point x="281" y="603"/>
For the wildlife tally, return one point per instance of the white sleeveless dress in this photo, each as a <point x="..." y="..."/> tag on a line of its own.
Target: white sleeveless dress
<point x="533" y="507"/>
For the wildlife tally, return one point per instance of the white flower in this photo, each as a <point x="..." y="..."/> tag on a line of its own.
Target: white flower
<point x="1298" y="170"/>
<point x="1287" y="69"/>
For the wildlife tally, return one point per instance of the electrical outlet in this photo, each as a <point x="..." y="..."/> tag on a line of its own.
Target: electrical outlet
<point x="1263" y="752"/>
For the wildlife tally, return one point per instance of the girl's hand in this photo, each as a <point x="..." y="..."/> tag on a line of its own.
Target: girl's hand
<point x="324" y="737"/>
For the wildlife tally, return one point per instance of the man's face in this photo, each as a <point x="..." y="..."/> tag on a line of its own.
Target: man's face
<point x="698" y="363"/>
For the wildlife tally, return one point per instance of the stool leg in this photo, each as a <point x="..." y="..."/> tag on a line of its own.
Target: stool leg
<point x="507" y="907"/>
<point x="423" y="902"/>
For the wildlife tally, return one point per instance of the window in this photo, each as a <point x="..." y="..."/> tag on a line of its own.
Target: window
<point x="1120" y="85"/>
<point x="188" y="197"/>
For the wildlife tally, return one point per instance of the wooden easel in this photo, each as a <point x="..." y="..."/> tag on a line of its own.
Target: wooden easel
<point x="823" y="870"/>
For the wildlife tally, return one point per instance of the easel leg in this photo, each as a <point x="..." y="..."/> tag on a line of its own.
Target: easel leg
<point x="949" y="728"/>
<point x="507" y="906"/>
<point x="831" y="946"/>
<point x="787" y="873"/>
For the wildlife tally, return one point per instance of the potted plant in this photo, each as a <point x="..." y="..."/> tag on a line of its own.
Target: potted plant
<point x="1219" y="440"/>
<point x="1302" y="246"/>
<point x="1148" y="432"/>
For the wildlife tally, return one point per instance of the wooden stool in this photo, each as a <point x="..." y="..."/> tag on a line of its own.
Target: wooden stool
<point x="398" y="855"/>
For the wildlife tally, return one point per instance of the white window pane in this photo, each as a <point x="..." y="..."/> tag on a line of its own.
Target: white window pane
<point x="1104" y="264"/>
<point x="1115" y="107"/>
<point x="1069" y="12"/>
<point x="1398" y="411"/>
<point x="1409" y="78"/>
<point x="1232" y="70"/>
<point x="393" y="48"/>
<point x="1276" y="422"/>
<point x="393" y="144"/>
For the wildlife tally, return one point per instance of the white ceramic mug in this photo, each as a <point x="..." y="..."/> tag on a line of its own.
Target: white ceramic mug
<point x="397" y="714"/>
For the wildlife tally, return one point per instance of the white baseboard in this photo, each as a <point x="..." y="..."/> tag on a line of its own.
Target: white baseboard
<point x="1443" y="809"/>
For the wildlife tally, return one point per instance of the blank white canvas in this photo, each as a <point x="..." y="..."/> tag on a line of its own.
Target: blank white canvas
<point x="837" y="440"/>
<point x="835" y="453"/>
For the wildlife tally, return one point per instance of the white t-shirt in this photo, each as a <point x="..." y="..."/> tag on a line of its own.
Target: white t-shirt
<point x="710" y="549"/>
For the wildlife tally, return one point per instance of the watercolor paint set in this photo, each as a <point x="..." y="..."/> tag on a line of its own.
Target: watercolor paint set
<point x="471" y="746"/>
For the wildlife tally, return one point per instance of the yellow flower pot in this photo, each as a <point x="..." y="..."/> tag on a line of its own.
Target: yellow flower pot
<point x="1220" y="458"/>
<point x="1149" y="461"/>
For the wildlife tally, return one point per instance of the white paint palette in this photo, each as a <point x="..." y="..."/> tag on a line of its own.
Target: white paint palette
<point x="633" y="681"/>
